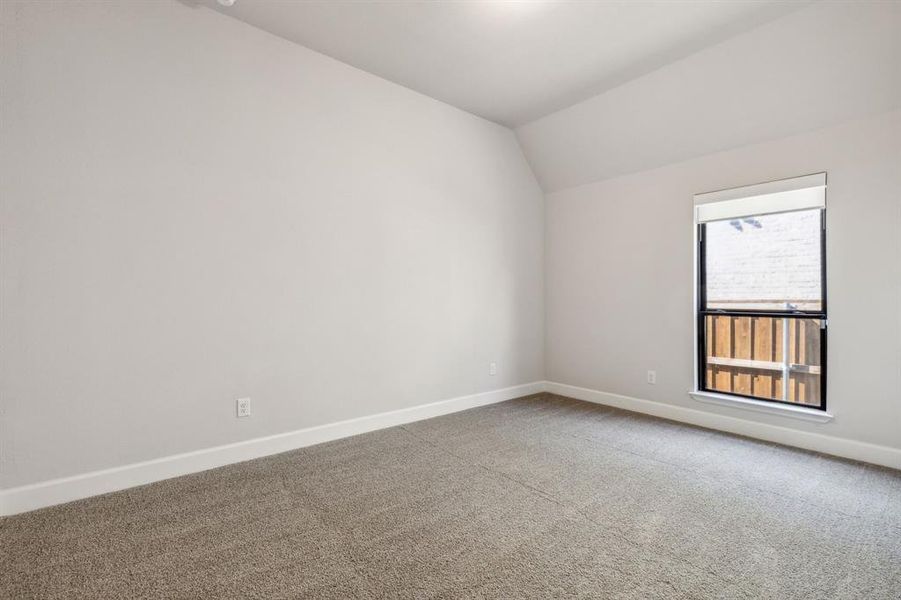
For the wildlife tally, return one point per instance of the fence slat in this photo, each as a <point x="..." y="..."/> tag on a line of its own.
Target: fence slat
<point x="744" y="356"/>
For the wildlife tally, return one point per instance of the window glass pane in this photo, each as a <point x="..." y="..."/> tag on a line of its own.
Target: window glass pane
<point x="769" y="262"/>
<point x="747" y="356"/>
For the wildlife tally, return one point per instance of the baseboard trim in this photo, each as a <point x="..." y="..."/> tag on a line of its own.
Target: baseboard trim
<point x="818" y="442"/>
<point x="57" y="491"/>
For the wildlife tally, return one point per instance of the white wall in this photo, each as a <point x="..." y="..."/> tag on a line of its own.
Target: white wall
<point x="819" y="66"/>
<point x="620" y="278"/>
<point x="193" y="210"/>
<point x="817" y="90"/>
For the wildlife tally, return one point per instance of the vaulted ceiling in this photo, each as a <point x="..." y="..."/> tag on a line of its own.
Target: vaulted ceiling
<point x="597" y="89"/>
<point x="508" y="61"/>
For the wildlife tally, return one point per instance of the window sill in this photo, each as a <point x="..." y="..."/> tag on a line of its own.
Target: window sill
<point x="761" y="406"/>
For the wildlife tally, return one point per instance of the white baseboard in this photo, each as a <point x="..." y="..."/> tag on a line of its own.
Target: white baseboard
<point x="818" y="442"/>
<point x="57" y="491"/>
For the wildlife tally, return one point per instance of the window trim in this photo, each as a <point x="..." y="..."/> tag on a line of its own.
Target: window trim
<point x="701" y="313"/>
<point x="794" y="411"/>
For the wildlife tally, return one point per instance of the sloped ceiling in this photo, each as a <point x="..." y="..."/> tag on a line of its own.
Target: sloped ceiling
<point x="827" y="63"/>
<point x="508" y="61"/>
<point x="600" y="89"/>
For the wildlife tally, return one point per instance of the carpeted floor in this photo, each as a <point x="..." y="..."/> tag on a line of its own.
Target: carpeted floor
<point x="537" y="497"/>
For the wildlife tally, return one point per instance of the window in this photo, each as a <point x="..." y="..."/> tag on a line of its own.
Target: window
<point x="761" y="309"/>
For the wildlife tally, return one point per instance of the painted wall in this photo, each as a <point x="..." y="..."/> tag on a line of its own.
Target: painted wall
<point x="619" y="267"/>
<point x="819" y="66"/>
<point x="193" y="211"/>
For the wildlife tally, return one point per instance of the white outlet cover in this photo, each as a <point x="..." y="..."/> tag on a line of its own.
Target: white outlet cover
<point x="492" y="368"/>
<point x="243" y="407"/>
<point x="652" y="377"/>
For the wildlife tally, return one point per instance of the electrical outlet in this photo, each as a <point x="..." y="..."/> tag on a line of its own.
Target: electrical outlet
<point x="652" y="377"/>
<point x="243" y="406"/>
<point x="492" y="368"/>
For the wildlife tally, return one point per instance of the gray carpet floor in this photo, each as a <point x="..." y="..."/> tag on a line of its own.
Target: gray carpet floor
<point x="533" y="498"/>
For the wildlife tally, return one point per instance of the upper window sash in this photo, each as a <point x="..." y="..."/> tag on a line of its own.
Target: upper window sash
<point x="785" y="195"/>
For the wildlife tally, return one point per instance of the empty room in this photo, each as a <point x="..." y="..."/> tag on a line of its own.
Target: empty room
<point x="450" y="299"/>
